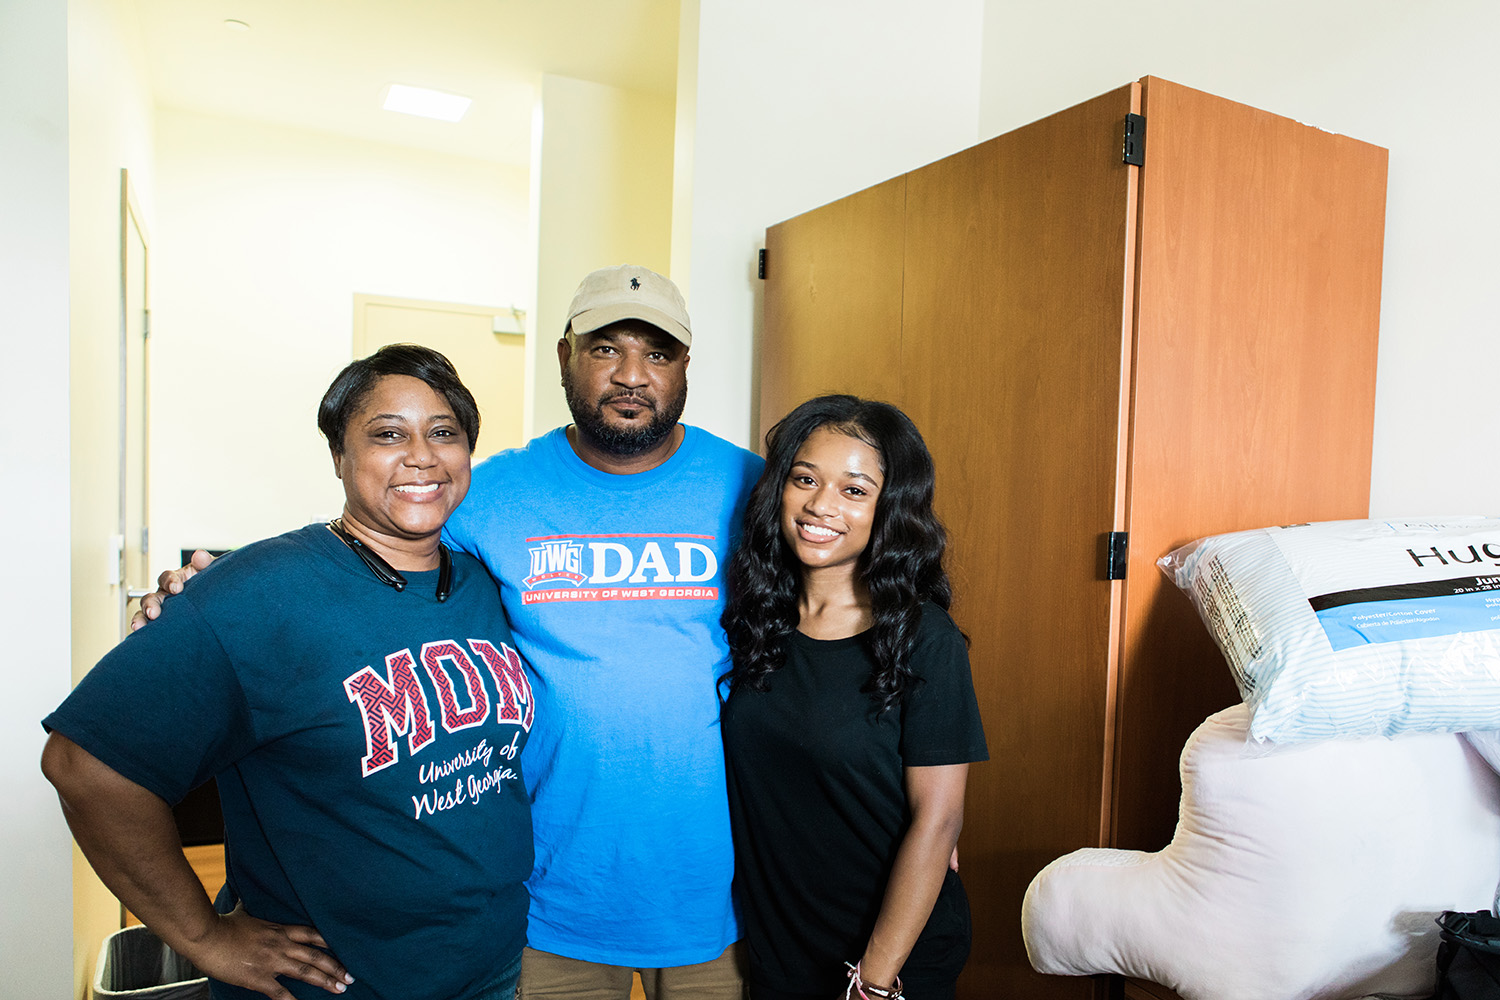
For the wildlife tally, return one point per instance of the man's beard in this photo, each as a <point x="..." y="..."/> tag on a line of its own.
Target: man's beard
<point x="632" y="439"/>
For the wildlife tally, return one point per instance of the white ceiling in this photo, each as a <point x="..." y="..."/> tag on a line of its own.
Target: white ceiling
<point x="325" y="64"/>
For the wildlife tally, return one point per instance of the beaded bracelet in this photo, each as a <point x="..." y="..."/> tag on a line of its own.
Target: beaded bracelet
<point x="859" y="988"/>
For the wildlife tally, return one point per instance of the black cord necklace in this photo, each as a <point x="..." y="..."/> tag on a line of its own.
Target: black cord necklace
<point x="384" y="571"/>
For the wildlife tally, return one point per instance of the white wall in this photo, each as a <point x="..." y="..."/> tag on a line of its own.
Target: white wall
<point x="603" y="196"/>
<point x="797" y="104"/>
<point x="1416" y="78"/>
<point x="36" y="898"/>
<point x="263" y="236"/>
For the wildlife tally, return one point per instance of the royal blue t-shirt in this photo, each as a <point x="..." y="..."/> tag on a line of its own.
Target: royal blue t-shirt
<point x="367" y="749"/>
<point x="614" y="586"/>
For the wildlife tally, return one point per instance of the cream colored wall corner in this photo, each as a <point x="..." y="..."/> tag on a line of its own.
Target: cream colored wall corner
<point x="603" y="196"/>
<point x="264" y="234"/>
<point x="685" y="119"/>
<point x="110" y="128"/>
<point x="1417" y="79"/>
<point x="36" y="902"/>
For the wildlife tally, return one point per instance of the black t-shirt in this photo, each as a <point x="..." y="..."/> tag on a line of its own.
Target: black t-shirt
<point x="819" y="809"/>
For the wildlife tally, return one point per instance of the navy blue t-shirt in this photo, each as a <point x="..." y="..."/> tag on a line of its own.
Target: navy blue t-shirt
<point x="367" y="749"/>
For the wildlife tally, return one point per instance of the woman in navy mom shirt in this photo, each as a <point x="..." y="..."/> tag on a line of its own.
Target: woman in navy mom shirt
<point x="353" y="688"/>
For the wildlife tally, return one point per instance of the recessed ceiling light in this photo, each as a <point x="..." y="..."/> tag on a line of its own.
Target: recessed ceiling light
<point x="426" y="103"/>
<point x="234" y="25"/>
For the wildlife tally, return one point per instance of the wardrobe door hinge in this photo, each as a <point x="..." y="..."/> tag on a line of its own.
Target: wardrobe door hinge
<point x="1135" y="140"/>
<point x="760" y="264"/>
<point x="1116" y="554"/>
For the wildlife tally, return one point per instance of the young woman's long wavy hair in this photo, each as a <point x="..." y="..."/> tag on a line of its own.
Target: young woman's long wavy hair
<point x="902" y="566"/>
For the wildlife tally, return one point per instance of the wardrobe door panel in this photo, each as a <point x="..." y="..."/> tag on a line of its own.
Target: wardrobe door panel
<point x="1012" y="365"/>
<point x="833" y="302"/>
<point x="1259" y="307"/>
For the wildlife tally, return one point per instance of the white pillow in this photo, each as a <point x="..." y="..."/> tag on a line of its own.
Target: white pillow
<point x="1316" y="872"/>
<point x="1355" y="628"/>
<point x="1488" y="745"/>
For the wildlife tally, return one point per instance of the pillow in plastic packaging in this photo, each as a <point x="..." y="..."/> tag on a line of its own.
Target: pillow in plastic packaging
<point x="1354" y="628"/>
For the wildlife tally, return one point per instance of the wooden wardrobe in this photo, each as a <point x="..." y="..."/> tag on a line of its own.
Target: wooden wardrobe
<point x="1091" y="346"/>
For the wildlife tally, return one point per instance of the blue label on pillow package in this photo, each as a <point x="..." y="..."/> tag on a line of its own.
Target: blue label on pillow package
<point x="1409" y="611"/>
<point x="1410" y="575"/>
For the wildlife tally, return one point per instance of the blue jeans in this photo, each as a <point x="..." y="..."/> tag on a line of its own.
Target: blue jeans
<point x="504" y="985"/>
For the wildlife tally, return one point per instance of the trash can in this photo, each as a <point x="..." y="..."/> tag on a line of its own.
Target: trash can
<point x="135" y="964"/>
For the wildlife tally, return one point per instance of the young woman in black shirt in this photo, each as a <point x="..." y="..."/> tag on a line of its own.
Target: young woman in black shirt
<point x="851" y="718"/>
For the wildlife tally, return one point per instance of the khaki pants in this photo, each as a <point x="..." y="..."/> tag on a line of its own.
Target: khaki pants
<point x="544" y="975"/>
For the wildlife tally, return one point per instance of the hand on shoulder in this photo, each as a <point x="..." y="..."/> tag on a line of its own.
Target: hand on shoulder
<point x="170" y="582"/>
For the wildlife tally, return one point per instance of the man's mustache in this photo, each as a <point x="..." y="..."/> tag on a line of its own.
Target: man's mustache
<point x="626" y="394"/>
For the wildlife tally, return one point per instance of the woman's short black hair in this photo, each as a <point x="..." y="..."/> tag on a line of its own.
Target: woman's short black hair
<point x="902" y="565"/>
<point x="355" y="383"/>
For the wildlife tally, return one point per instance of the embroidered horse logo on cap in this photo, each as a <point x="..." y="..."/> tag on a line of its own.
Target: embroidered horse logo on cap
<point x="635" y="284"/>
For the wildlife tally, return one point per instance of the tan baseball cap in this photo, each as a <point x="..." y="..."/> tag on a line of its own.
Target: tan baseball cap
<point x="629" y="291"/>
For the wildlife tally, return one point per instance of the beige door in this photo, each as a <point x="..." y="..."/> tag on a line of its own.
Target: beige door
<point x="135" y="333"/>
<point x="492" y="364"/>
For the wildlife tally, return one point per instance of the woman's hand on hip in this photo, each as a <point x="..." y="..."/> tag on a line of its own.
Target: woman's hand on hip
<point x="250" y="952"/>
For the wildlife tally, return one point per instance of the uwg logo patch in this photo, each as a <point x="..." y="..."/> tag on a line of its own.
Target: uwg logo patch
<point x="397" y="704"/>
<point x="620" y="568"/>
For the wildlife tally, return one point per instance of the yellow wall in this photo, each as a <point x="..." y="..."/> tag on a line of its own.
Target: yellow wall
<point x="264" y="235"/>
<point x="260" y="237"/>
<point x="603" y="196"/>
<point x="110" y="127"/>
<point x="683" y="135"/>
